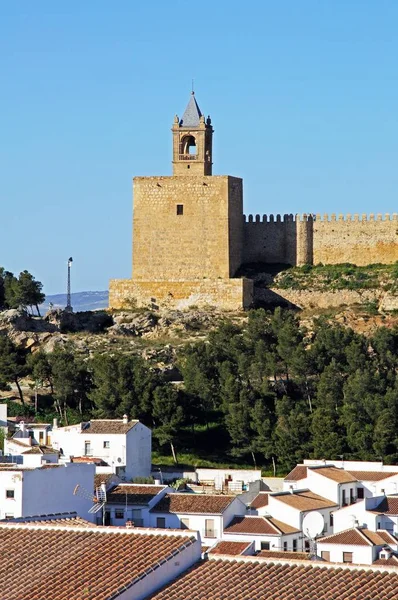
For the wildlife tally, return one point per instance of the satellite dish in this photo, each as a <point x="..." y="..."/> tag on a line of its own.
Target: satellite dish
<point x="313" y="524"/>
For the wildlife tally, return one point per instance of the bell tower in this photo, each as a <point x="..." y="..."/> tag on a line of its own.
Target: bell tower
<point x="192" y="142"/>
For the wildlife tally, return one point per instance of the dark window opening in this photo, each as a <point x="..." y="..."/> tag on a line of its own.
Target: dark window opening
<point x="180" y="209"/>
<point x="331" y="519"/>
<point x="10" y="494"/>
<point x="161" y="522"/>
<point x="119" y="514"/>
<point x="360" y="493"/>
<point x="264" y="545"/>
<point x="347" y="557"/>
<point x="294" y="545"/>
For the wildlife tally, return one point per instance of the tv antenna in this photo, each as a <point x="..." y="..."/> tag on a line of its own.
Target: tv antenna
<point x="313" y="525"/>
<point x="68" y="295"/>
<point x="98" y="498"/>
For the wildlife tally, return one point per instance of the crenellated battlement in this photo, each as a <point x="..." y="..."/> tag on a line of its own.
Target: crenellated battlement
<point x="290" y="218"/>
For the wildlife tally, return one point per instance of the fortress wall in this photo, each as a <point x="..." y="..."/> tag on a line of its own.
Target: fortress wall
<point x="235" y="225"/>
<point x="353" y="239"/>
<point x="323" y="239"/>
<point x="167" y="246"/>
<point x="229" y="294"/>
<point x="270" y="239"/>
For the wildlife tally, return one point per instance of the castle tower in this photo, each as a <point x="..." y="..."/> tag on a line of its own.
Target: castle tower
<point x="192" y="142"/>
<point x="187" y="229"/>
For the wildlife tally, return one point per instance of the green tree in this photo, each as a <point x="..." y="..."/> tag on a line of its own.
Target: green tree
<point x="29" y="291"/>
<point x="168" y="416"/>
<point x="71" y="382"/>
<point x="12" y="365"/>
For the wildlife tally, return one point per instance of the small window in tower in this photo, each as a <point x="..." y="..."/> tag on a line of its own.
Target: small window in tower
<point x="180" y="209"/>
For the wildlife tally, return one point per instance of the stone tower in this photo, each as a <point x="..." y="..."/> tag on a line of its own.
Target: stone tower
<point x="187" y="229"/>
<point x="192" y="142"/>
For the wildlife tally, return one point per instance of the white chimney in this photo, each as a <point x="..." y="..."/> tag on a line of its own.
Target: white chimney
<point x="22" y="426"/>
<point x="125" y="419"/>
<point x="55" y="423"/>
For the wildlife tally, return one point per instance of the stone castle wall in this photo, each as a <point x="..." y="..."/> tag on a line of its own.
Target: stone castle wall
<point x="205" y="241"/>
<point x="315" y="239"/>
<point x="229" y="294"/>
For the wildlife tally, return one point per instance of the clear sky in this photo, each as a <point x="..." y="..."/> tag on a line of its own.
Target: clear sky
<point x="303" y="97"/>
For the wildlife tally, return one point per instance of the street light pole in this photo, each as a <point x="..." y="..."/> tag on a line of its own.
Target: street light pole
<point x="68" y="295"/>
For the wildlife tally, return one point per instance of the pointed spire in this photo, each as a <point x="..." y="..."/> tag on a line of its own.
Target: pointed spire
<point x="192" y="114"/>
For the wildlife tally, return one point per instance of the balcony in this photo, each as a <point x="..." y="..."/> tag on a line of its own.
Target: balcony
<point x="188" y="156"/>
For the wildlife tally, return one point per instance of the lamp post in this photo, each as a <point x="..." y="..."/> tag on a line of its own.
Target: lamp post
<point x="68" y="299"/>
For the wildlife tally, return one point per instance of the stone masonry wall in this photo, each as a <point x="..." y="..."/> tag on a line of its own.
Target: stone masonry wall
<point x="167" y="246"/>
<point x="328" y="240"/>
<point x="229" y="294"/>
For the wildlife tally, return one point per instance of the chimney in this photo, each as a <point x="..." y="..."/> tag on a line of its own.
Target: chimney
<point x="129" y="524"/>
<point x="55" y="423"/>
<point x="125" y="419"/>
<point x="385" y="553"/>
<point x="22" y="426"/>
<point x="291" y="489"/>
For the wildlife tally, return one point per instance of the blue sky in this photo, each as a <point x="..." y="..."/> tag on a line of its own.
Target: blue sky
<point x="303" y="98"/>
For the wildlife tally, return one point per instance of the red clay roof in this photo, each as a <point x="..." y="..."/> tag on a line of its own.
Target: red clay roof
<point x="337" y="475"/>
<point x="258" y="526"/>
<point x="110" y="426"/>
<point x="359" y="537"/>
<point x="248" y="579"/>
<point x="388" y="506"/>
<point x="392" y="561"/>
<point x="270" y="554"/>
<point x="299" y="472"/>
<point x="260" y="500"/>
<point x="193" y="504"/>
<point x="89" y="460"/>
<point x="371" y="475"/>
<point x="231" y="548"/>
<point x="304" y="500"/>
<point x="62" y="519"/>
<point x="89" y="564"/>
<point x="133" y="493"/>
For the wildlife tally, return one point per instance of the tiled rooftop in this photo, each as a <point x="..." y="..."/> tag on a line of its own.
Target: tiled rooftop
<point x="102" y="478"/>
<point x="304" y="500"/>
<point x="371" y="475"/>
<point x="107" y="426"/>
<point x="392" y="561"/>
<point x="62" y="519"/>
<point x="91" y="460"/>
<point x="270" y="554"/>
<point x="193" y="504"/>
<point x="299" y="472"/>
<point x="388" y="506"/>
<point x="133" y="493"/>
<point x="258" y="526"/>
<point x="40" y="450"/>
<point x="359" y="537"/>
<point x="231" y="548"/>
<point x="337" y="475"/>
<point x="77" y="564"/>
<point x="260" y="500"/>
<point x="251" y="579"/>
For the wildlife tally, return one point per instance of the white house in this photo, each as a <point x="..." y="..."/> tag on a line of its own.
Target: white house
<point x="331" y="482"/>
<point x="122" y="444"/>
<point x="259" y="504"/>
<point x="207" y="513"/>
<point x="357" y="545"/>
<point x="131" y="502"/>
<point x="291" y="508"/>
<point x="47" y="489"/>
<point x="266" y="532"/>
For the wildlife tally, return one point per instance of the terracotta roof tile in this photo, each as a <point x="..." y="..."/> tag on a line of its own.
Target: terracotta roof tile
<point x="304" y="500"/>
<point x="102" y="478"/>
<point x="231" y="548"/>
<point x="372" y="475"/>
<point x="247" y="579"/>
<point x="388" y="506"/>
<point x="41" y="450"/>
<point x="258" y="526"/>
<point x="193" y="504"/>
<point x="299" y="472"/>
<point x="338" y="475"/>
<point x="392" y="561"/>
<point x="136" y="493"/>
<point x="89" y="460"/>
<point x="270" y="554"/>
<point x="359" y="537"/>
<point x="62" y="519"/>
<point x="260" y="500"/>
<point x="110" y="426"/>
<point x="89" y="564"/>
